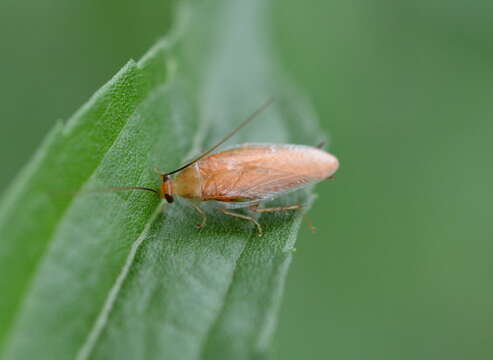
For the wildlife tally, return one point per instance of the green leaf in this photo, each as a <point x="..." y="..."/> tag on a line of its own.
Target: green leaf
<point x="120" y="275"/>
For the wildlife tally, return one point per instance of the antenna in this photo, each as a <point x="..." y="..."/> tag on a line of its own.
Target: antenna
<point x="124" y="188"/>
<point x="227" y="137"/>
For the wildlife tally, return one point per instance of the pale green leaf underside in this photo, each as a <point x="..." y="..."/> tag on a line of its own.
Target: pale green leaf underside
<point x="112" y="276"/>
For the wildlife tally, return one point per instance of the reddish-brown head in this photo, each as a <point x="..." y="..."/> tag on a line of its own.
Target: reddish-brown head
<point x="167" y="188"/>
<point x="188" y="184"/>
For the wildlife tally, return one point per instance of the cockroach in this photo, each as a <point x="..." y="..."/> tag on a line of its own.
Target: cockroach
<point x="245" y="175"/>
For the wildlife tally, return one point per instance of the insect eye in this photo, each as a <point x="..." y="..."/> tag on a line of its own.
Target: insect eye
<point x="168" y="198"/>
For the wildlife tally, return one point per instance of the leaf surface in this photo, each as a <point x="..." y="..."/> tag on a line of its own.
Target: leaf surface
<point x="121" y="275"/>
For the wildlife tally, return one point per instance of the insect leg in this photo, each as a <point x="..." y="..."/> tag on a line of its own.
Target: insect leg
<point x="309" y="223"/>
<point x="283" y="208"/>
<point x="274" y="209"/>
<point x="245" y="217"/>
<point x="201" y="213"/>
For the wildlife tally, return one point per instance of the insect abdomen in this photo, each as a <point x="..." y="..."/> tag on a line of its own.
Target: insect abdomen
<point x="259" y="171"/>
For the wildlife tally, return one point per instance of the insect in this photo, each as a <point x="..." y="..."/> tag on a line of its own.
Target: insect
<point x="245" y="175"/>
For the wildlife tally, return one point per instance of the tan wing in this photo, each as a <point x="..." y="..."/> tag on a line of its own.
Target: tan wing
<point x="262" y="171"/>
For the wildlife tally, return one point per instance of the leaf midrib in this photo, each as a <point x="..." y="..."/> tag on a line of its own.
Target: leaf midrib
<point x="29" y="283"/>
<point x="90" y="342"/>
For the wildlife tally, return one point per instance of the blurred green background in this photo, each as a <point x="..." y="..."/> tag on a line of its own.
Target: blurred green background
<point x="400" y="266"/>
